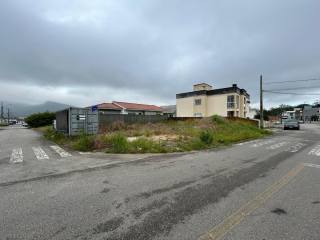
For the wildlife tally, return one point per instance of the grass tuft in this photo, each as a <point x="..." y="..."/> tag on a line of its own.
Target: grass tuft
<point x="206" y="137"/>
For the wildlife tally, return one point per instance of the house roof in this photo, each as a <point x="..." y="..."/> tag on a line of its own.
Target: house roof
<point x="108" y="106"/>
<point x="129" y="106"/>
<point x="138" y="106"/>
<point x="233" y="89"/>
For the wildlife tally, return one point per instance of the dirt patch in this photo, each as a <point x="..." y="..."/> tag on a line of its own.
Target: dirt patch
<point x="171" y="137"/>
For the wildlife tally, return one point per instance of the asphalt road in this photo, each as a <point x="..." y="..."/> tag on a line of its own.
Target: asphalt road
<point x="265" y="189"/>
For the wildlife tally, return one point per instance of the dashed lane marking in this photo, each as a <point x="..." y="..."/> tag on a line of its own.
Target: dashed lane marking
<point x="277" y="145"/>
<point x="16" y="156"/>
<point x="40" y="153"/>
<point x="60" y="151"/>
<point x="233" y="220"/>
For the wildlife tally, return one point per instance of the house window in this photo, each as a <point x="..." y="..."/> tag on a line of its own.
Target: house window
<point x="230" y="101"/>
<point x="197" y="102"/>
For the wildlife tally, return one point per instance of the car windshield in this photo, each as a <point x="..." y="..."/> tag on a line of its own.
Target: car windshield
<point x="291" y="120"/>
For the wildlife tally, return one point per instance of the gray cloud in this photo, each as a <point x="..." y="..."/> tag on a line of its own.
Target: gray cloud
<point x="87" y="51"/>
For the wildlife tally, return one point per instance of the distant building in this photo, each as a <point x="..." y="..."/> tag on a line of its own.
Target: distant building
<point x="128" y="108"/>
<point x="252" y="113"/>
<point x="169" y="110"/>
<point x="311" y="113"/>
<point x="204" y="101"/>
<point x="296" y="113"/>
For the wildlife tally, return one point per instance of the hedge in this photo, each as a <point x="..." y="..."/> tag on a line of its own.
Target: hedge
<point x="40" y="119"/>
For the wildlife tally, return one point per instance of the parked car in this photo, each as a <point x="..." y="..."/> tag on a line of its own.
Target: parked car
<point x="25" y="124"/>
<point x="291" y="124"/>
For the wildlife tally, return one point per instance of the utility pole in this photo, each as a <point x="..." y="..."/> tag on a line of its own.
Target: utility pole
<point x="8" y="116"/>
<point x="261" y="103"/>
<point x="2" y="114"/>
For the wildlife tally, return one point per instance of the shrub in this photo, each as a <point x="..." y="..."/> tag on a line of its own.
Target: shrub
<point x="52" y="135"/>
<point x="40" y="119"/>
<point x="217" y="119"/>
<point x="84" y="142"/>
<point x="206" y="137"/>
<point x="191" y="144"/>
<point x="118" y="143"/>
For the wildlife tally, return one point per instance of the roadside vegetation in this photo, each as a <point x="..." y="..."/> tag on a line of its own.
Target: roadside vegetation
<point x="40" y="119"/>
<point x="169" y="136"/>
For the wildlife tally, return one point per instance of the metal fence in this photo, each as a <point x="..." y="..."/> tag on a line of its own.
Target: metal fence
<point x="107" y="119"/>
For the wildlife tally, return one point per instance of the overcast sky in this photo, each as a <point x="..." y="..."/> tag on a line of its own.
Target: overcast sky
<point x="85" y="52"/>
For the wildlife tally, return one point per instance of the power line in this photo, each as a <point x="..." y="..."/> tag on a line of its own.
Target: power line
<point x="292" y="93"/>
<point x="289" y="81"/>
<point x="296" y="88"/>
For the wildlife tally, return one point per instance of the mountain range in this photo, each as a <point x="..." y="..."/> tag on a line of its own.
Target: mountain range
<point x="23" y="110"/>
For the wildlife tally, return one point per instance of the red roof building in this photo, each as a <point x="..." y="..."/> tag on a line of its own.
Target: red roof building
<point x="129" y="108"/>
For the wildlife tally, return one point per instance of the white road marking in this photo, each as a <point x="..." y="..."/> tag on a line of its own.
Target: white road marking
<point x="259" y="144"/>
<point x="311" y="165"/>
<point x="60" y="151"/>
<point x="296" y="147"/>
<point x="277" y="145"/>
<point x="84" y="153"/>
<point x="315" y="151"/>
<point x="40" y="153"/>
<point x="16" y="156"/>
<point x="244" y="143"/>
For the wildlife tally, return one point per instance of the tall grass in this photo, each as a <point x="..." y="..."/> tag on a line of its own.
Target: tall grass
<point x="84" y="143"/>
<point x="196" y="134"/>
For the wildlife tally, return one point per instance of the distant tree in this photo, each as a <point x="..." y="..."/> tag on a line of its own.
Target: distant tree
<point x="265" y="115"/>
<point x="40" y="119"/>
<point x="302" y="105"/>
<point x="277" y="111"/>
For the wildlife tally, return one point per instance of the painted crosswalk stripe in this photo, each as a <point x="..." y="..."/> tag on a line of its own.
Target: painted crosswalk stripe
<point x="315" y="151"/>
<point x="259" y="144"/>
<point x="40" y="153"/>
<point x="60" y="151"/>
<point x="311" y="165"/>
<point x="16" y="156"/>
<point x="248" y="142"/>
<point x="277" y="145"/>
<point x="296" y="147"/>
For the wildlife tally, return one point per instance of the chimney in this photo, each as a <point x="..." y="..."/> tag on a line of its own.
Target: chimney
<point x="234" y="85"/>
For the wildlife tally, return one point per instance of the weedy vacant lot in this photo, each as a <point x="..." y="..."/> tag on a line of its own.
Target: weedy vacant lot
<point x="168" y="136"/>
